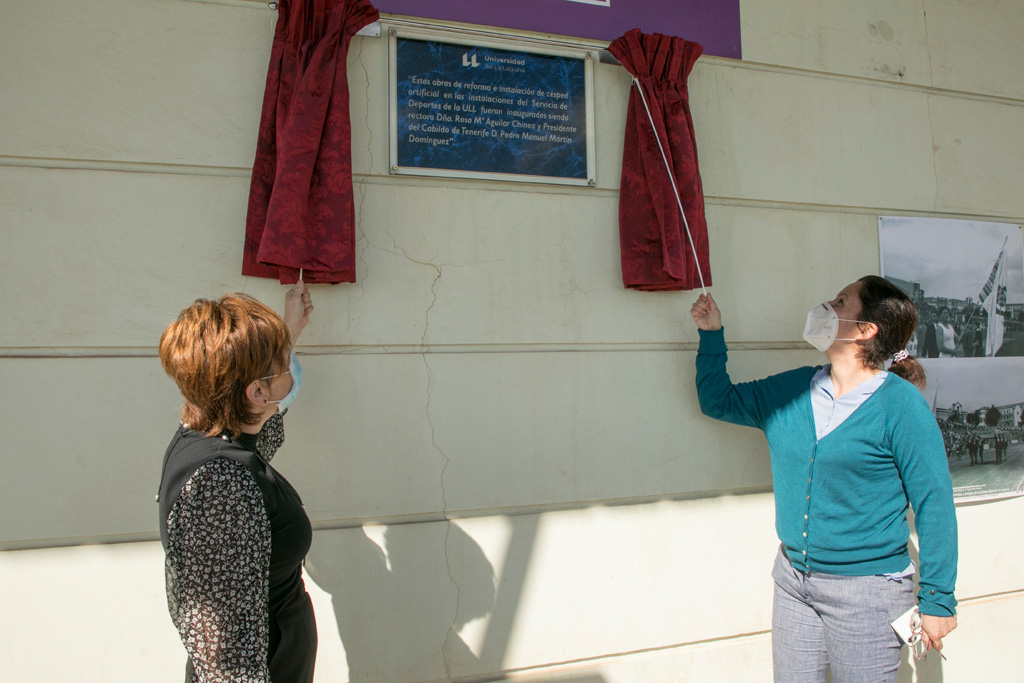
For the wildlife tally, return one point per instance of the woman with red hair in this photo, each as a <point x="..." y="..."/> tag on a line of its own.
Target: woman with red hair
<point x="234" y="530"/>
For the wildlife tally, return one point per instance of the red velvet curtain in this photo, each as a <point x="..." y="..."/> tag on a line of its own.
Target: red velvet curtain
<point x="656" y="252"/>
<point x="300" y="200"/>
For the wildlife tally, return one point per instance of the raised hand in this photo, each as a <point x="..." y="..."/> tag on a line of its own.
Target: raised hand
<point x="705" y="313"/>
<point x="297" y="306"/>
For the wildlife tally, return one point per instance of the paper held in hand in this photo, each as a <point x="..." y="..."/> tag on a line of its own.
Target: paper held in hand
<point x="902" y="625"/>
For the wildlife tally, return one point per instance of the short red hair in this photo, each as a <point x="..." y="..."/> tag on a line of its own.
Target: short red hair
<point x="214" y="350"/>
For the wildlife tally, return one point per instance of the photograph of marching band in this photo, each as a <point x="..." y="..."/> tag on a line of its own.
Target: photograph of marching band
<point x="979" y="405"/>
<point x="967" y="279"/>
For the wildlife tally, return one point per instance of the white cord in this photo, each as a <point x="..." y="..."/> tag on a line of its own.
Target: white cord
<point x="672" y="179"/>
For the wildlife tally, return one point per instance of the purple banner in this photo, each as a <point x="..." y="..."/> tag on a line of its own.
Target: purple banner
<point x="715" y="24"/>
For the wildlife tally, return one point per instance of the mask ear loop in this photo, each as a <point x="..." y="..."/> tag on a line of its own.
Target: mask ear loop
<point x="672" y="179"/>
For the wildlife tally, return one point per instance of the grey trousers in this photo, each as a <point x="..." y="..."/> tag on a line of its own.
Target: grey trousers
<point x="823" y="621"/>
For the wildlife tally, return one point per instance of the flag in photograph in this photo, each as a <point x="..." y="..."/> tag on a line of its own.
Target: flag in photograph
<point x="989" y="299"/>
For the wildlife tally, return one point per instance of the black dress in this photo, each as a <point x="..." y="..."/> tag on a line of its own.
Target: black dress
<point x="235" y="536"/>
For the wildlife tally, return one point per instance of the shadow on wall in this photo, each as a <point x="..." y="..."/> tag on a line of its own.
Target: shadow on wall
<point x="409" y="600"/>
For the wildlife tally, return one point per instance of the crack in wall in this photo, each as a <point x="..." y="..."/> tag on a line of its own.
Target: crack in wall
<point x="360" y="231"/>
<point x="927" y="43"/>
<point x="452" y="633"/>
<point x="935" y="153"/>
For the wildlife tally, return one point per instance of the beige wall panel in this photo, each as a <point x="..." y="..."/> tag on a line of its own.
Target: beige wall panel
<point x="612" y="86"/>
<point x="526" y="429"/>
<point x="100" y="613"/>
<point x="195" y="72"/>
<point x="496" y="267"/>
<point x="989" y="564"/>
<point x="359" y="438"/>
<point x="476" y="595"/>
<point x="504" y="267"/>
<point x="977" y="46"/>
<point x="133" y="80"/>
<point x="772" y="266"/>
<point x="381" y="435"/>
<point x="368" y="453"/>
<point x="91" y="614"/>
<point x="787" y="137"/>
<point x="369" y="105"/>
<point x="435" y="601"/>
<point x="155" y="242"/>
<point x="746" y="658"/>
<point x="870" y="38"/>
<point x="436" y="265"/>
<point x="122" y="253"/>
<point x="396" y="594"/>
<point x="971" y="47"/>
<point x="83" y="443"/>
<point x="979" y="157"/>
<point x="667" y="574"/>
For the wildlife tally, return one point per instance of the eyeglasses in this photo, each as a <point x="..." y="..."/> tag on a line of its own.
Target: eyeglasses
<point x="277" y="375"/>
<point x="916" y="642"/>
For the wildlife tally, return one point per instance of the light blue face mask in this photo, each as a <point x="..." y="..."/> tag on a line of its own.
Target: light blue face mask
<point x="296" y="372"/>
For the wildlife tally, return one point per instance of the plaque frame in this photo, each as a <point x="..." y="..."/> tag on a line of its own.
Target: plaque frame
<point x="587" y="57"/>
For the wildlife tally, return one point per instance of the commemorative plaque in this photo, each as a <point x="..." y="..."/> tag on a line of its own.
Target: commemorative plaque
<point x="470" y="110"/>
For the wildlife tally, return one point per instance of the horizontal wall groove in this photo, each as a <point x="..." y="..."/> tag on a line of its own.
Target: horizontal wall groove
<point x="776" y="205"/>
<point x="110" y="165"/>
<point x="248" y="4"/>
<point x="117" y="166"/>
<point x="611" y="193"/>
<point x="84" y="352"/>
<point x="433" y="517"/>
<point x="526" y="510"/>
<point x="991" y="597"/>
<point x="556" y="668"/>
<point x="867" y="80"/>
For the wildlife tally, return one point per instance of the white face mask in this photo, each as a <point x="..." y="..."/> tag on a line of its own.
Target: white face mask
<point x="822" y="326"/>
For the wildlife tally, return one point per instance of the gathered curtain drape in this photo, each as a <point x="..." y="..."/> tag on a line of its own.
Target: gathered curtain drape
<point x="656" y="251"/>
<point x="300" y="200"/>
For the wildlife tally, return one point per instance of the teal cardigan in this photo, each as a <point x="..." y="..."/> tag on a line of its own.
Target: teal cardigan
<point x="841" y="502"/>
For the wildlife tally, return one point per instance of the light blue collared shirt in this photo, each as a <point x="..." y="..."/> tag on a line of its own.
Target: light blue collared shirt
<point x="830" y="412"/>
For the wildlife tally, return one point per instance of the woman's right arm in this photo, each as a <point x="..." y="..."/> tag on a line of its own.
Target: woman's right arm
<point x="218" y="571"/>
<point x="719" y="398"/>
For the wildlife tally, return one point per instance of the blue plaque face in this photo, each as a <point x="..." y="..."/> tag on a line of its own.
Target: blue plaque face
<point x="487" y="110"/>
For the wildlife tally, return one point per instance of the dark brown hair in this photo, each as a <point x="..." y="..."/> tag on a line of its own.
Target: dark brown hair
<point x="214" y="350"/>
<point x="895" y="316"/>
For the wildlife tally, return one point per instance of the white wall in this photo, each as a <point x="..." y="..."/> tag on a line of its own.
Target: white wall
<point x="487" y="368"/>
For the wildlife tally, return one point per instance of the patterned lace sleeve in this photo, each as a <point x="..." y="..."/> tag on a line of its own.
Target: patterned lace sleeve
<point x="217" y="572"/>
<point x="271" y="436"/>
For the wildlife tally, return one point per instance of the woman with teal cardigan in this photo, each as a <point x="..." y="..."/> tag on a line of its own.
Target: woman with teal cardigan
<point x="852" y="446"/>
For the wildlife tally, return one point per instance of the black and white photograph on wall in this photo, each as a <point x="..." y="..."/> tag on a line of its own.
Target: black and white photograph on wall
<point x="979" y="406"/>
<point x="967" y="279"/>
